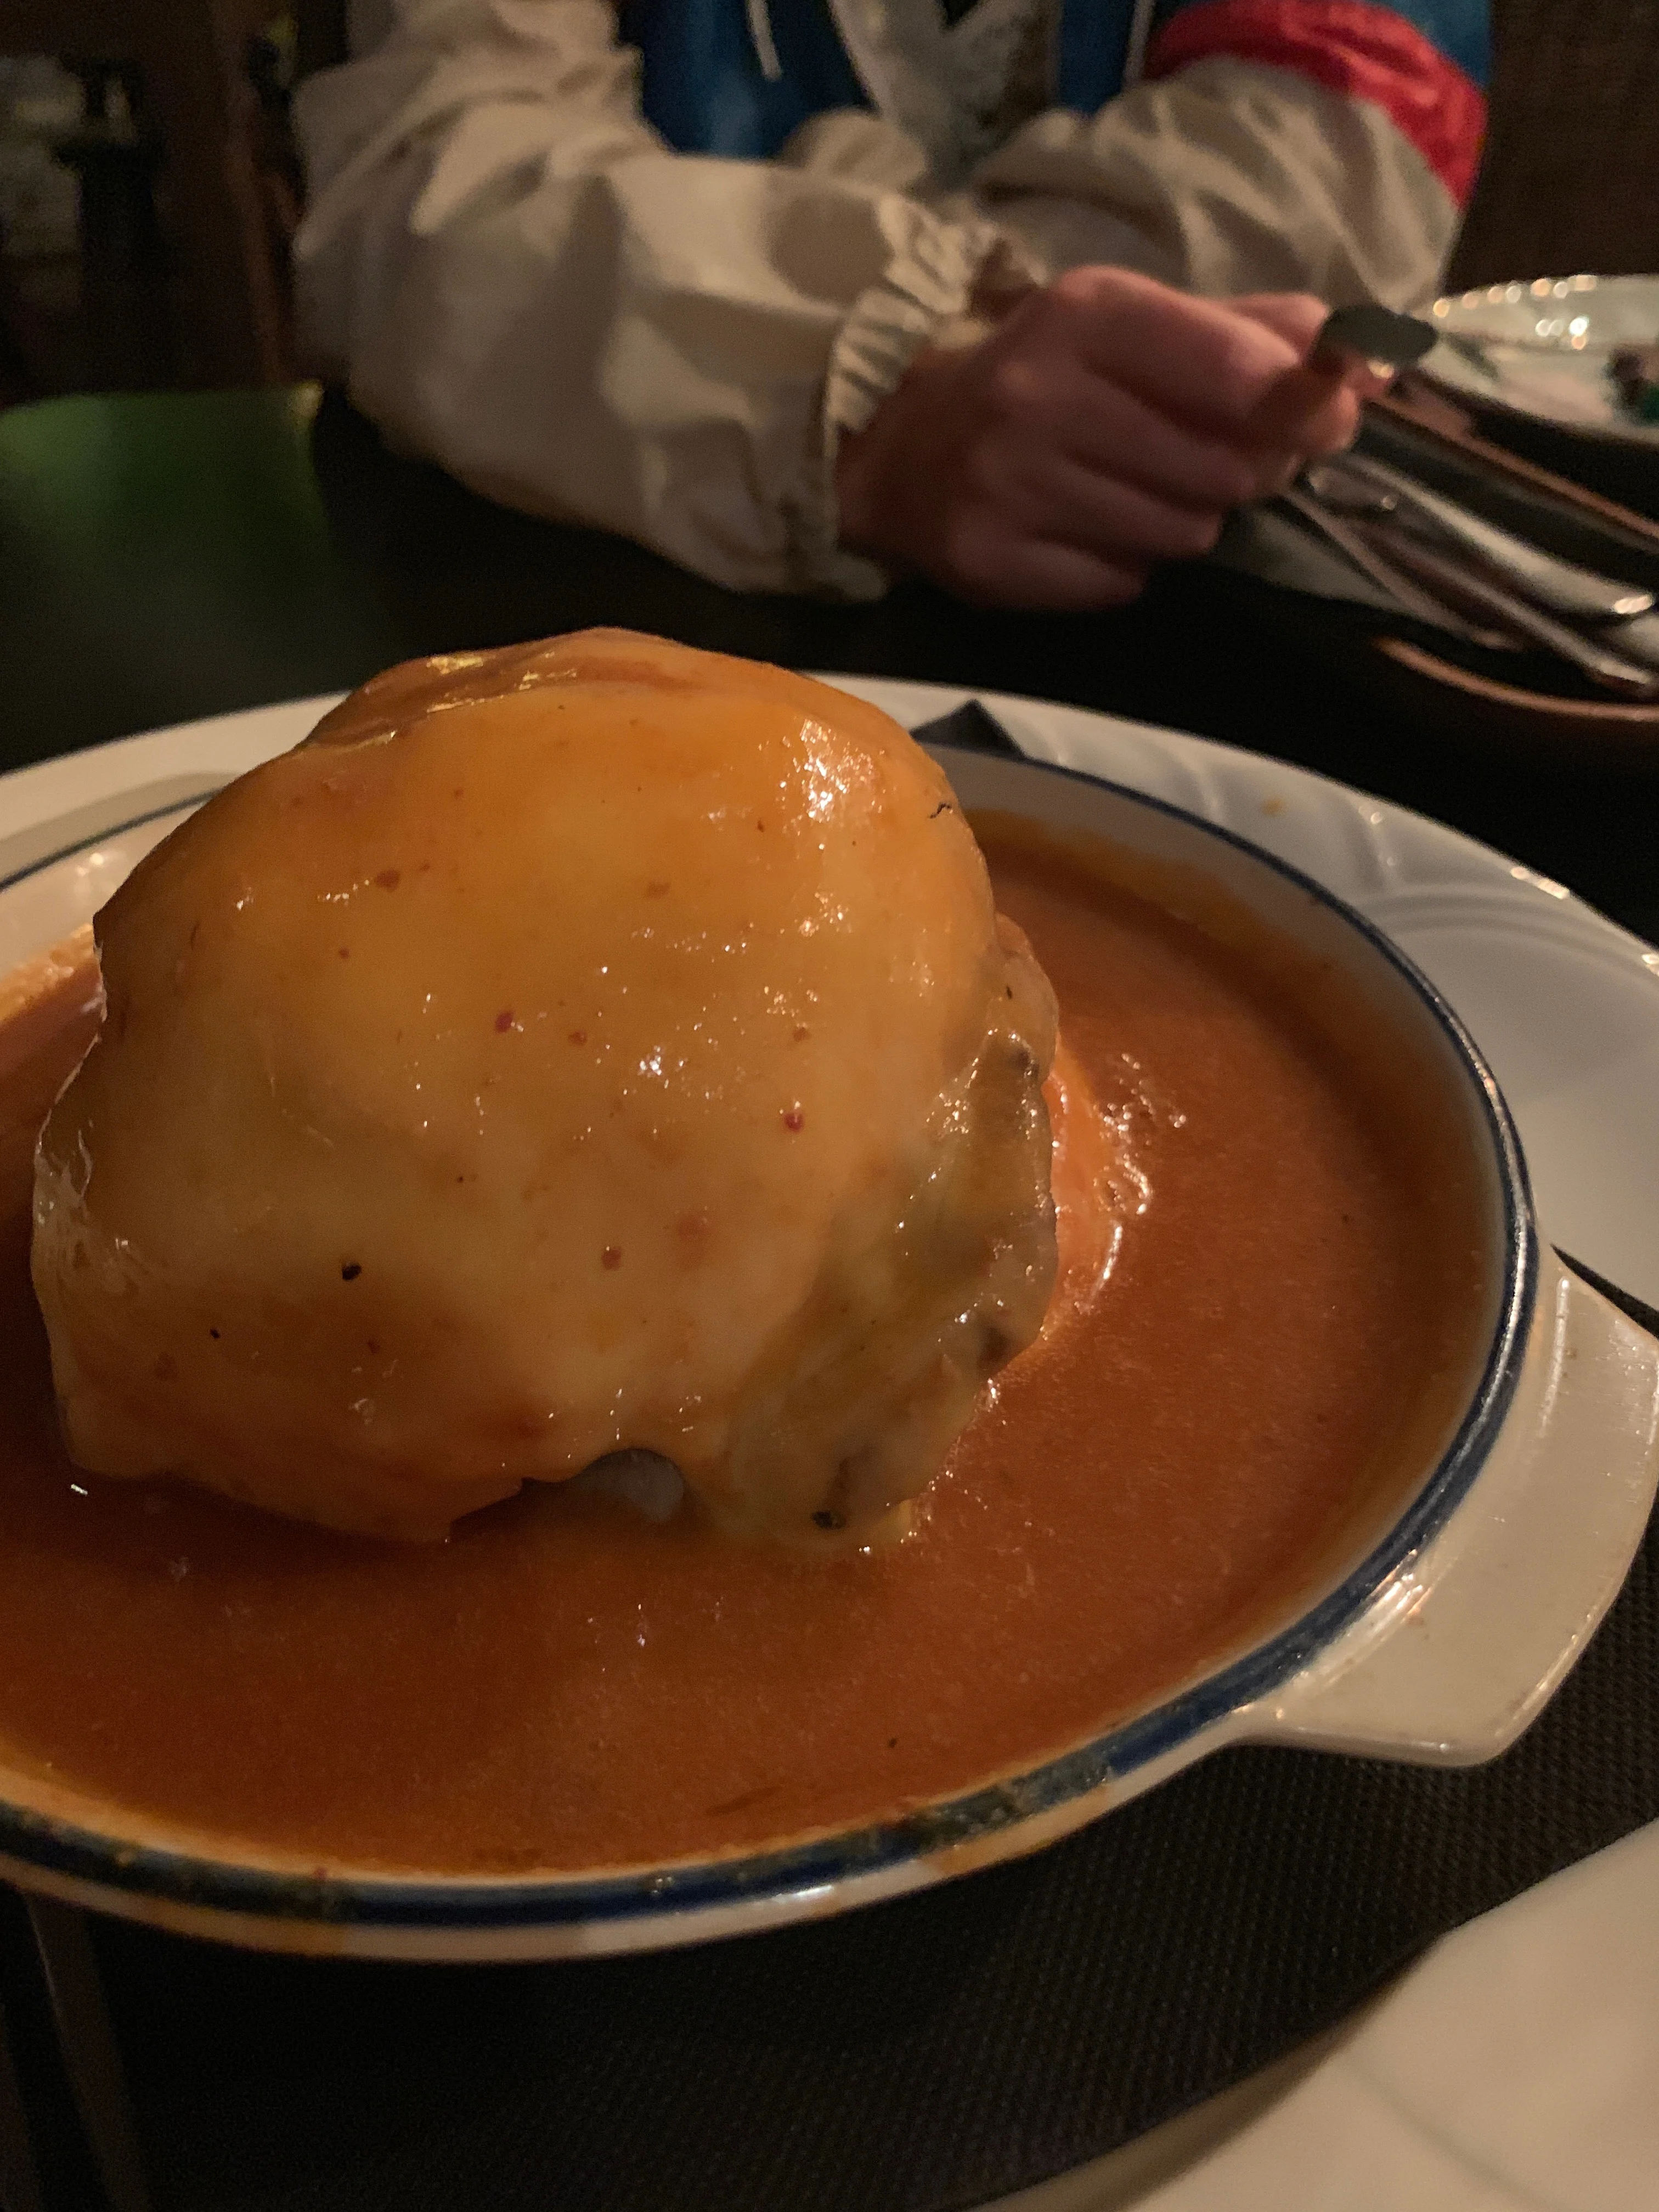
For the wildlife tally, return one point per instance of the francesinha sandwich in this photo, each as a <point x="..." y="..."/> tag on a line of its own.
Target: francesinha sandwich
<point x="596" y="1045"/>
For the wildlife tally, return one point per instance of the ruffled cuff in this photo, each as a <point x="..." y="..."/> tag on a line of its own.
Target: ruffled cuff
<point x="939" y="273"/>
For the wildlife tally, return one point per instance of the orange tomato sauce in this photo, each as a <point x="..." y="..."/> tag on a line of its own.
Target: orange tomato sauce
<point x="564" y="1686"/>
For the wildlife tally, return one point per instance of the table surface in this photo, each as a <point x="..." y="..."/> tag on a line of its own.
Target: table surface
<point x="171" y="556"/>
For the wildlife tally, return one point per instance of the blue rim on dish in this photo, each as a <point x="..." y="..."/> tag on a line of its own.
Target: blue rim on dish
<point x="796" y="1873"/>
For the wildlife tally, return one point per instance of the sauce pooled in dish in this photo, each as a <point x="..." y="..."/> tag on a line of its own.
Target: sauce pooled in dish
<point x="1285" y="1340"/>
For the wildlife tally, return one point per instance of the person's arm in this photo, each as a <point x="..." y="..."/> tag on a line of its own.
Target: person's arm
<point x="1292" y="147"/>
<point x="1323" y="146"/>
<point x="514" y="276"/>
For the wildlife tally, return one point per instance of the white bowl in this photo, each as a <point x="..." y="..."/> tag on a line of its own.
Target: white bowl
<point x="1437" y="1637"/>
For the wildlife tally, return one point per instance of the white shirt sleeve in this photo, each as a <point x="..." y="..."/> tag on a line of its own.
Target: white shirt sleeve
<point x="514" y="274"/>
<point x="1229" y="177"/>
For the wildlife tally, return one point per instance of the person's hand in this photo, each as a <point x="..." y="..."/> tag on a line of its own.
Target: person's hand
<point x="1106" y="424"/>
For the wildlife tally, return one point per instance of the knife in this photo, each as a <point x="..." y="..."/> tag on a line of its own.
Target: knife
<point x="1474" y="594"/>
<point x="1371" y="561"/>
<point x="1636" y="640"/>
<point x="1562" y="587"/>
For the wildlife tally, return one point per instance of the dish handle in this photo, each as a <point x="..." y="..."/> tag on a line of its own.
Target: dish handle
<point x="1466" y="1646"/>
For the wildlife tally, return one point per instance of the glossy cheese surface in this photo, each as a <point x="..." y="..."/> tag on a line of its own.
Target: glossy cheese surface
<point x="588" y="1048"/>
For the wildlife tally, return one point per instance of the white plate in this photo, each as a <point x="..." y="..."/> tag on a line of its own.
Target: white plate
<point x="1544" y="349"/>
<point x="1519" y="2066"/>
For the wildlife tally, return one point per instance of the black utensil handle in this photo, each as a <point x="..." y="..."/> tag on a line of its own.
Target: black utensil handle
<point x="1374" y="333"/>
<point x="973" y="727"/>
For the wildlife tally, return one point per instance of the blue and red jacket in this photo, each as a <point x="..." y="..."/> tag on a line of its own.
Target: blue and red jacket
<point x="709" y="88"/>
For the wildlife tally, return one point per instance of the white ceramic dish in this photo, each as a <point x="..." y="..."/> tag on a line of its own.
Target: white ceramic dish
<point x="1437" y="1640"/>
<point x="1540" y="348"/>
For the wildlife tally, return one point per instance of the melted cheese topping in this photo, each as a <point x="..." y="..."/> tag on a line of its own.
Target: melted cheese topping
<point x="593" y="1047"/>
